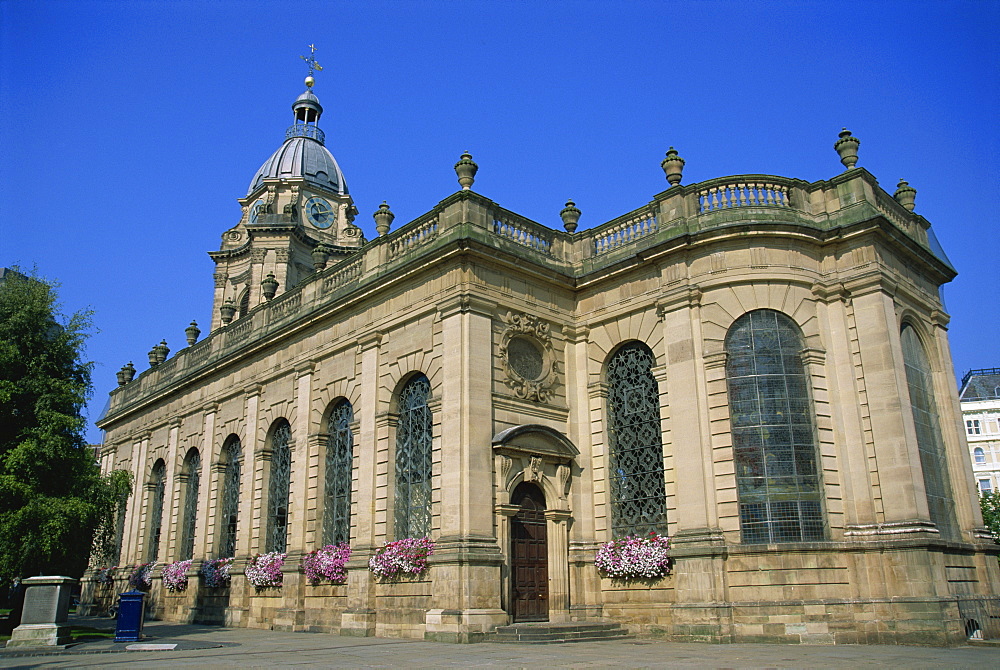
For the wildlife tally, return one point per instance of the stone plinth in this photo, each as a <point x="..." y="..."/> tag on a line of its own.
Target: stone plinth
<point x="46" y="609"/>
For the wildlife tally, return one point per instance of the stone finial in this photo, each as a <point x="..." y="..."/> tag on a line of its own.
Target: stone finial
<point x="129" y="371"/>
<point x="847" y="147"/>
<point x="383" y="218"/>
<point x="162" y="351"/>
<point x="269" y="286"/>
<point x="227" y="310"/>
<point x="192" y="332"/>
<point x="673" y="167"/>
<point x="121" y="376"/>
<point x="320" y="254"/>
<point x="154" y="356"/>
<point x="570" y="215"/>
<point x="905" y="195"/>
<point x="466" y="170"/>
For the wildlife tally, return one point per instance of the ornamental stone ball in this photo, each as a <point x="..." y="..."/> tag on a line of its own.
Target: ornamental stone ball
<point x="673" y="167"/>
<point x="847" y="147"/>
<point x="269" y="286"/>
<point x="905" y="195"/>
<point x="466" y="170"/>
<point x="192" y="332"/>
<point x="570" y="215"/>
<point x="383" y="218"/>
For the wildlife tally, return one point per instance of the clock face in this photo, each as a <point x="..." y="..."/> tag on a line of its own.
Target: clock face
<point x="319" y="212"/>
<point x="255" y="211"/>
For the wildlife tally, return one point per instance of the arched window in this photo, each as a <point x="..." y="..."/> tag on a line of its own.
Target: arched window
<point x="339" y="459"/>
<point x="774" y="437"/>
<point x="412" y="500"/>
<point x="244" y="303"/>
<point x="280" y="484"/>
<point x="230" y="507"/>
<point x="929" y="444"/>
<point x="192" y="481"/>
<point x="638" y="495"/>
<point x="156" y="487"/>
<point x="979" y="454"/>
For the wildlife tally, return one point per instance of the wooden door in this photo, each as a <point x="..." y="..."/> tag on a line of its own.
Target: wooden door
<point x="529" y="555"/>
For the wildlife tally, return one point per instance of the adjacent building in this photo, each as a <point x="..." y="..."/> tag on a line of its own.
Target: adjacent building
<point x="757" y="366"/>
<point x="980" y="398"/>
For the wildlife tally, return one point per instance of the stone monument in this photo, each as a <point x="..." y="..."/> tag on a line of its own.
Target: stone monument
<point x="46" y="609"/>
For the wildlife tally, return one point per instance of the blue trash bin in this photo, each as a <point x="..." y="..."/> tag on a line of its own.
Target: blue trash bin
<point x="130" y="616"/>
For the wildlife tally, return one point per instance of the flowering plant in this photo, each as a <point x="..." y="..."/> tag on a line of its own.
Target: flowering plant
<point x="327" y="563"/>
<point x="408" y="555"/>
<point x="264" y="570"/>
<point x="634" y="557"/>
<point x="216" y="572"/>
<point x="142" y="575"/>
<point x="105" y="575"/>
<point x="175" y="575"/>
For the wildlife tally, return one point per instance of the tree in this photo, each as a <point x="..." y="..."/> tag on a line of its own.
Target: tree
<point x="52" y="495"/>
<point x="990" y="504"/>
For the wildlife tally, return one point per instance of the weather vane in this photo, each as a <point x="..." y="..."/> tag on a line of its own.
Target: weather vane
<point x="313" y="65"/>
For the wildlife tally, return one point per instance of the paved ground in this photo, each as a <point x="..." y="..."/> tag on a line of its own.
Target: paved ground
<point x="206" y="646"/>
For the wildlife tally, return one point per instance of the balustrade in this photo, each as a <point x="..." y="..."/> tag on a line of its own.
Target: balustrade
<point x="345" y="275"/>
<point x="522" y="232"/>
<point x="408" y="238"/>
<point x="742" y="194"/>
<point x="625" y="232"/>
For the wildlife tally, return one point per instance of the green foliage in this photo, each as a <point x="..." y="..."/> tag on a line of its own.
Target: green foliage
<point x="52" y="495"/>
<point x="990" y="504"/>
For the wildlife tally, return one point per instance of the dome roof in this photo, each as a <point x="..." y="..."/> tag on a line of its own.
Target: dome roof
<point x="302" y="158"/>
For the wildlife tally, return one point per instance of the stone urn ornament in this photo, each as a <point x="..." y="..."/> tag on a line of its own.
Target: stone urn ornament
<point x="905" y="195"/>
<point x="466" y="170"/>
<point x="847" y="147"/>
<point x="570" y="216"/>
<point x="162" y="351"/>
<point x="121" y="376"/>
<point x="227" y="310"/>
<point x="269" y="286"/>
<point x="129" y="371"/>
<point x="154" y="356"/>
<point x="383" y="218"/>
<point x="673" y="167"/>
<point x="320" y="255"/>
<point x="192" y="332"/>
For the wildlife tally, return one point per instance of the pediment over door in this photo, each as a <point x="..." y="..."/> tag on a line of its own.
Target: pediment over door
<point x="535" y="440"/>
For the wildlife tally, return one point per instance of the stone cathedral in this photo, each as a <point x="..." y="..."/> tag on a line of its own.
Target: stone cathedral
<point x="755" y="366"/>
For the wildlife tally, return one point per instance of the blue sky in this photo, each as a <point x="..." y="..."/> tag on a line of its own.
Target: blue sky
<point x="128" y="130"/>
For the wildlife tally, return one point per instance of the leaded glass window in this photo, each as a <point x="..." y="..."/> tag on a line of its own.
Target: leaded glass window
<point x="339" y="459"/>
<point x="281" y="479"/>
<point x="230" y="498"/>
<point x="774" y="436"/>
<point x="638" y="494"/>
<point x="929" y="443"/>
<point x="157" y="484"/>
<point x="413" y="460"/>
<point x="192" y="473"/>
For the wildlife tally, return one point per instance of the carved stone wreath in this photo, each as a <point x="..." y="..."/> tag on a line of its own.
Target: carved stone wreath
<point x="528" y="358"/>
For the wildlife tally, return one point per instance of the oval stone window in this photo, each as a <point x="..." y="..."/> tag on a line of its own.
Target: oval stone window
<point x="525" y="358"/>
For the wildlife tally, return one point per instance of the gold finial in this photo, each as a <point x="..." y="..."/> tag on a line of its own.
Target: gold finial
<point x="313" y="65"/>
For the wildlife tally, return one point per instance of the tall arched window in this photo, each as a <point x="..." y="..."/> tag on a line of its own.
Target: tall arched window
<point x="192" y="481"/>
<point x="230" y="507"/>
<point x="412" y="500"/>
<point x="280" y="484"/>
<point x="638" y="495"/>
<point x="979" y="454"/>
<point x="929" y="443"/>
<point x="244" y="303"/>
<point x="339" y="459"/>
<point x="774" y="436"/>
<point x="157" y="485"/>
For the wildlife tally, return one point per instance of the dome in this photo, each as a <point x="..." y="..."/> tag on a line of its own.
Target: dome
<point x="302" y="158"/>
<point x="303" y="155"/>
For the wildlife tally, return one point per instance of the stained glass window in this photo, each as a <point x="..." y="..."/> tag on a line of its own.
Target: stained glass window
<point x="638" y="495"/>
<point x="157" y="482"/>
<point x="774" y="436"/>
<point x="929" y="442"/>
<point x="280" y="484"/>
<point x="230" y="507"/>
<point x="413" y="460"/>
<point x="339" y="455"/>
<point x="192" y="472"/>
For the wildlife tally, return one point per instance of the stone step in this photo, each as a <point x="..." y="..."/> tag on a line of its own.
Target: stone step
<point x="554" y="633"/>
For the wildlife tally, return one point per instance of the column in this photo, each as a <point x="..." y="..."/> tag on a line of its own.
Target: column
<point x="557" y="531"/>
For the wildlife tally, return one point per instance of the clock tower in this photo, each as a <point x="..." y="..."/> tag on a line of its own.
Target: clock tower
<point x="297" y="204"/>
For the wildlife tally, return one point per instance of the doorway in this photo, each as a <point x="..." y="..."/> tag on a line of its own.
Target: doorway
<point x="529" y="555"/>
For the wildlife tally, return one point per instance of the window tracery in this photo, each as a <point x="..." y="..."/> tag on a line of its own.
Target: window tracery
<point x="412" y="502"/>
<point x="230" y="507"/>
<point x="157" y="481"/>
<point x="339" y="462"/>
<point x="192" y="472"/>
<point x="279" y="488"/>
